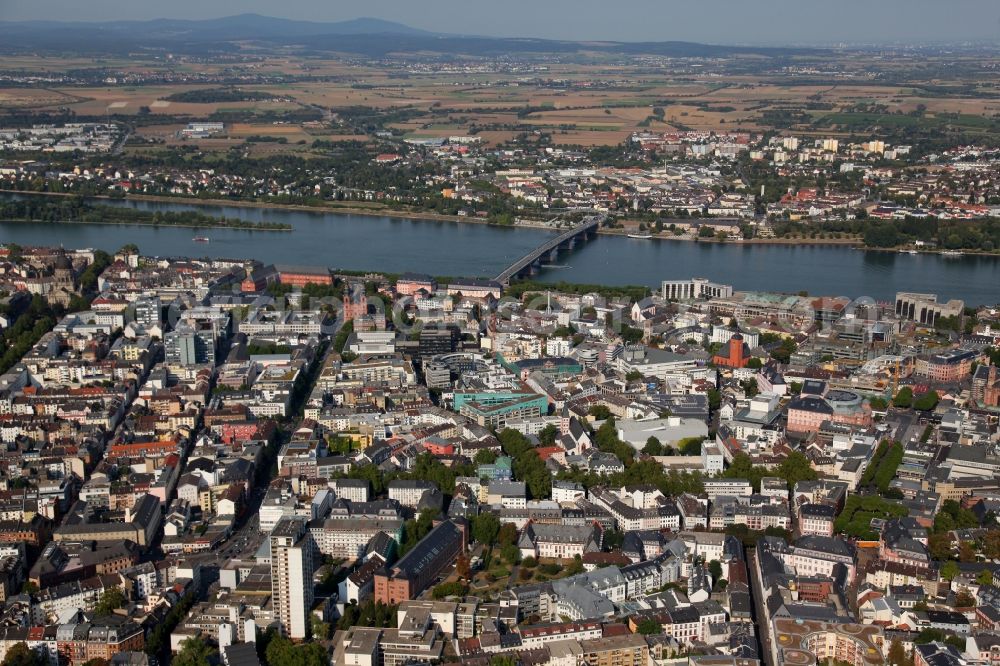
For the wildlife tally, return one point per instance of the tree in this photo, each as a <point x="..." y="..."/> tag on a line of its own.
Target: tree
<point x="690" y="446"/>
<point x="613" y="539"/>
<point x="195" y="652"/>
<point x="451" y="589"/>
<point x="964" y="600"/>
<point x="648" y="626"/>
<point x="715" y="568"/>
<point x="547" y="436"/>
<point x="796" y="467"/>
<point x="21" y="655"/>
<point x="527" y="465"/>
<point x="953" y="516"/>
<point x="939" y="545"/>
<point x="714" y="398"/>
<point x="985" y="577"/>
<point x="755" y="363"/>
<point x="485" y="457"/>
<point x="904" y="398"/>
<point x="929" y="635"/>
<point x="966" y="552"/>
<point x="943" y="522"/>
<point x="349" y="618"/>
<point x="283" y="652"/>
<point x="463" y="567"/>
<point x="503" y="660"/>
<point x="511" y="553"/>
<point x="991" y="544"/>
<point x="925" y="402"/>
<point x="783" y="352"/>
<point x="96" y="661"/>
<point x="507" y="536"/>
<point x="653" y="447"/>
<point x="112" y="599"/>
<point x="606" y="439"/>
<point x="320" y="630"/>
<point x="600" y="412"/>
<point x="575" y="567"/>
<point x="949" y="570"/>
<point x="897" y="654"/>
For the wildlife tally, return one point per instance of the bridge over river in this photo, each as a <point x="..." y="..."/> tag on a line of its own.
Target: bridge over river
<point x="548" y="250"/>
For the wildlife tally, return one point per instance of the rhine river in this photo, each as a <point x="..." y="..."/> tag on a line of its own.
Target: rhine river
<point x="360" y="242"/>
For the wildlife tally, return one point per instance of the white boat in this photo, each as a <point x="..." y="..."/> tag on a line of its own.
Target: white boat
<point x="641" y="236"/>
<point x="951" y="253"/>
<point x="201" y="239"/>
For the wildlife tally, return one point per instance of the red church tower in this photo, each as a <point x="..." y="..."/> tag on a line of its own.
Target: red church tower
<point x="355" y="303"/>
<point x="736" y="356"/>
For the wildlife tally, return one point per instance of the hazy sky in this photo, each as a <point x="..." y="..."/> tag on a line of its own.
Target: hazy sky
<point x="714" y="21"/>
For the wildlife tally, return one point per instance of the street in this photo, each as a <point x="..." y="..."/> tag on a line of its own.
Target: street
<point x="759" y="610"/>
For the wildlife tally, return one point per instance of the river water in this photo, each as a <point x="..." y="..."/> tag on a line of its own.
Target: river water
<point x="360" y="242"/>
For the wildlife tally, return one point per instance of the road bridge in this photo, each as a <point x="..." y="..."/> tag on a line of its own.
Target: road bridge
<point x="547" y="251"/>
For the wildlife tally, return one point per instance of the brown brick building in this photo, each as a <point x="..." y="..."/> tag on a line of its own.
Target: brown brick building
<point x="419" y="567"/>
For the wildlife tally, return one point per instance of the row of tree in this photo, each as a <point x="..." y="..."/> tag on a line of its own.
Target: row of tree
<point x="78" y="209"/>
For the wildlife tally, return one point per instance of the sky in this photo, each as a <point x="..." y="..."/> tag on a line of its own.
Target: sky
<point x="710" y="21"/>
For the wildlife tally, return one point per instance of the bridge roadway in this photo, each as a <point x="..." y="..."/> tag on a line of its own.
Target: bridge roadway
<point x="567" y="238"/>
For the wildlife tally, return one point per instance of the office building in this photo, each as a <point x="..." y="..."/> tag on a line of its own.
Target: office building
<point x="187" y="345"/>
<point x="434" y="341"/>
<point x="148" y="312"/>
<point x="925" y="309"/>
<point x="693" y="289"/>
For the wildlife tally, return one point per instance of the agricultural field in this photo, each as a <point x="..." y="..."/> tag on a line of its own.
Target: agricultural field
<point x="587" y="104"/>
<point x="131" y="100"/>
<point x="33" y="98"/>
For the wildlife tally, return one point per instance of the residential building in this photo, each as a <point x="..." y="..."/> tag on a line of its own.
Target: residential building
<point x="292" y="576"/>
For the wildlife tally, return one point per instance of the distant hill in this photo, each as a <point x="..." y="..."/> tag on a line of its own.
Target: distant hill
<point x="367" y="36"/>
<point x="240" y="27"/>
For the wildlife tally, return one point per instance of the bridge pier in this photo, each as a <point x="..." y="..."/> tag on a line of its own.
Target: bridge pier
<point x="568" y="240"/>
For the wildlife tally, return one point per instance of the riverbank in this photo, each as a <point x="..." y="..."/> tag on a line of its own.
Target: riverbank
<point x="83" y="210"/>
<point x="391" y="213"/>
<point x="854" y="243"/>
<point x="145" y="224"/>
<point x="841" y="242"/>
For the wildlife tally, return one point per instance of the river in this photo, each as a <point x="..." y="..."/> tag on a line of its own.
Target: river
<point x="360" y="242"/>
